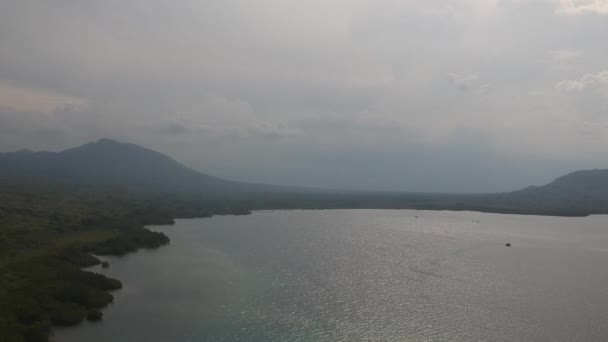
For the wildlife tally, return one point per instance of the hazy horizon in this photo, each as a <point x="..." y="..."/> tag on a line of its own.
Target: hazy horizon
<point x="442" y="96"/>
<point x="310" y="187"/>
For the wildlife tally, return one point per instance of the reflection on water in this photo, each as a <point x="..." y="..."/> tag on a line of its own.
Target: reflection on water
<point x="363" y="275"/>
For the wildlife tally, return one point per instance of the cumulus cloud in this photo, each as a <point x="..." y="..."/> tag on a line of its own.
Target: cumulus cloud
<point x="574" y="7"/>
<point x="570" y="85"/>
<point x="589" y="81"/>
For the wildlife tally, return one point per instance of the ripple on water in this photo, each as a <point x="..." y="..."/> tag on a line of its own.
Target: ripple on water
<point x="366" y="275"/>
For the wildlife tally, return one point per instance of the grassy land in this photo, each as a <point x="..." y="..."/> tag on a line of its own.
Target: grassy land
<point x="48" y="234"/>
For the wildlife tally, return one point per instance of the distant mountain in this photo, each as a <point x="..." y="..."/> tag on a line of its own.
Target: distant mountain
<point x="111" y="163"/>
<point x="580" y="183"/>
<point x="579" y="193"/>
<point x="583" y="191"/>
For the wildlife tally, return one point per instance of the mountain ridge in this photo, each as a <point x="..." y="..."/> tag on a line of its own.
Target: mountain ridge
<point x="109" y="163"/>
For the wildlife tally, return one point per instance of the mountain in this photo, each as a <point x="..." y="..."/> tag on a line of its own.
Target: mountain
<point x="579" y="183"/>
<point x="111" y="163"/>
<point x="584" y="191"/>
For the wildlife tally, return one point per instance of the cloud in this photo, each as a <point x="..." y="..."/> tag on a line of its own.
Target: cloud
<point x="35" y="100"/>
<point x="64" y="126"/>
<point x="577" y="7"/>
<point x="469" y="83"/>
<point x="589" y="81"/>
<point x="463" y="82"/>
<point x="570" y="85"/>
<point x="284" y="89"/>
<point x="175" y="128"/>
<point x="565" y="56"/>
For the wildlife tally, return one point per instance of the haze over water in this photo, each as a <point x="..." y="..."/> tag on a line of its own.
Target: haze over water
<point x="363" y="275"/>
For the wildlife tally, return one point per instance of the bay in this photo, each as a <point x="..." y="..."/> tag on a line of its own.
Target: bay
<point x="363" y="275"/>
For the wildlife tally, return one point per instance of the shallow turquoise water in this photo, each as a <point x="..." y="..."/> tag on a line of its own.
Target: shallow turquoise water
<point x="363" y="275"/>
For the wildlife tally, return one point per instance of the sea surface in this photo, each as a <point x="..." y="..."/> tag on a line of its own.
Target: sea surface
<point x="363" y="275"/>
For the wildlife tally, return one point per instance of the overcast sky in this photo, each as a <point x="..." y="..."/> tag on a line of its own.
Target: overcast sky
<point x="442" y="95"/>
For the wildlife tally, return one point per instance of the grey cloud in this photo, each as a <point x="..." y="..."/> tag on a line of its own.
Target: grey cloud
<point x="577" y="7"/>
<point x="354" y="93"/>
<point x="173" y="127"/>
<point x="463" y="82"/>
<point x="565" y="56"/>
<point x="469" y="83"/>
<point x="65" y="126"/>
<point x="589" y="81"/>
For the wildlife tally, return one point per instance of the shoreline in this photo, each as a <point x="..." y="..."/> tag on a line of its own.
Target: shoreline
<point x="148" y="227"/>
<point x="148" y="274"/>
<point x="122" y="253"/>
<point x="86" y="292"/>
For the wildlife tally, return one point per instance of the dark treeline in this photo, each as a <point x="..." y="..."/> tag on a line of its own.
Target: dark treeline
<point x="49" y="233"/>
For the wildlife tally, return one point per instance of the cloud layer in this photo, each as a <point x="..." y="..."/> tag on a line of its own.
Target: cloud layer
<point x="589" y="81"/>
<point x="583" y="6"/>
<point x="447" y="95"/>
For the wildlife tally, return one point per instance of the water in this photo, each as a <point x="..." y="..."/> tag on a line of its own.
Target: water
<point x="363" y="275"/>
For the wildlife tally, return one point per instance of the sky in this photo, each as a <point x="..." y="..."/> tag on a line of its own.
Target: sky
<point x="398" y="95"/>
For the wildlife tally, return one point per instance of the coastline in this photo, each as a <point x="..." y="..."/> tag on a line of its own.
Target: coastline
<point x="119" y="248"/>
<point x="49" y="237"/>
<point x="74" y="294"/>
<point x="177" y="290"/>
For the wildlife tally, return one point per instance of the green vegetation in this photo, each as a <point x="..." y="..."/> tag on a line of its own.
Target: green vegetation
<point x="49" y="234"/>
<point x="94" y="315"/>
